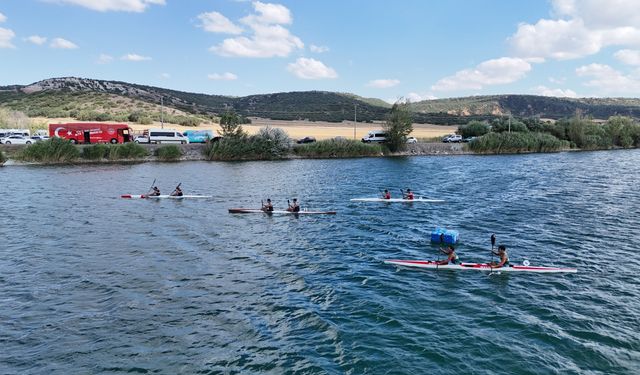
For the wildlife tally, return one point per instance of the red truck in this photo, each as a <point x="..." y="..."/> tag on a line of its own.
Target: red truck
<point x="92" y="132"/>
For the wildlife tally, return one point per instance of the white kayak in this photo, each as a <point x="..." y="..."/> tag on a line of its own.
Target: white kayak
<point x="418" y="199"/>
<point x="277" y="212"/>
<point x="432" y="265"/>
<point x="130" y="196"/>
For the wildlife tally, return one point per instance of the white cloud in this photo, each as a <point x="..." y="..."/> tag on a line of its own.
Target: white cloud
<point x="412" y="97"/>
<point x="104" y="59"/>
<point x="311" y="69"/>
<point x="383" y="83"/>
<point x="135" y="57"/>
<point x="588" y="27"/>
<point x="268" y="14"/>
<point x="608" y="80"/>
<point x="5" y="38"/>
<point x="629" y="57"/>
<point x="491" y="72"/>
<point x="560" y="93"/>
<point x="318" y="49"/>
<point x="113" y="5"/>
<point x="60" y="43"/>
<point x="268" y="39"/>
<point x="36" y="39"/>
<point x="222" y="77"/>
<point x="215" y="22"/>
<point x="2" y="18"/>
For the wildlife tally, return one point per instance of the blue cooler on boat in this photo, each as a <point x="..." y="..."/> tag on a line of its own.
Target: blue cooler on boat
<point x="449" y="236"/>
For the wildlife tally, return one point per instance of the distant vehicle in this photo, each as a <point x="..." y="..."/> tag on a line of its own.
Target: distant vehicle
<point x="468" y="139"/>
<point x="162" y="136"/>
<point x="7" y="132"/>
<point x="452" y="139"/>
<point x="91" y="132"/>
<point x="377" y="136"/>
<point x="201" y="136"/>
<point x="306" y="140"/>
<point x="412" y="140"/>
<point x="39" y="138"/>
<point x="16" y="140"/>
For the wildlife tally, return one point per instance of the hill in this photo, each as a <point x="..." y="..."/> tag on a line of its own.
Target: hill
<point x="89" y="99"/>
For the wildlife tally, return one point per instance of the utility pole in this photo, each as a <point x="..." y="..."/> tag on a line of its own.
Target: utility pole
<point x="161" y="112"/>
<point x="509" y="122"/>
<point x="355" y="120"/>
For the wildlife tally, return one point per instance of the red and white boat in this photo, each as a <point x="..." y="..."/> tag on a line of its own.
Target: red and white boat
<point x="433" y="265"/>
<point x="278" y="212"/>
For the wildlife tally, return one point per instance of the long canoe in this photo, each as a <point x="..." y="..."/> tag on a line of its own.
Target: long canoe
<point x="419" y="199"/>
<point x="142" y="196"/>
<point x="432" y="265"/>
<point x="277" y="212"/>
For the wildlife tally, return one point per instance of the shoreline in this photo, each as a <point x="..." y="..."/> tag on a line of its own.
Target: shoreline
<point x="194" y="152"/>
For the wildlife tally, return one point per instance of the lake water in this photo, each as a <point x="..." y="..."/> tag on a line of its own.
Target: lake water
<point x="91" y="283"/>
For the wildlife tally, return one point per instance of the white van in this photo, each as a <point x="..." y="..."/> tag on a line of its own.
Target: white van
<point x="378" y="136"/>
<point x="162" y="136"/>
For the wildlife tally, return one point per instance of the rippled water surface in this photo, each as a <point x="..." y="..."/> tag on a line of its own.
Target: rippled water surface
<point x="93" y="283"/>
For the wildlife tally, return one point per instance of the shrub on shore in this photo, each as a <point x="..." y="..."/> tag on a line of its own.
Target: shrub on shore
<point x="268" y="144"/>
<point x="2" y="157"/>
<point x="508" y="143"/>
<point x="113" y="152"/>
<point x="168" y="153"/>
<point x="337" y="148"/>
<point x="53" y="150"/>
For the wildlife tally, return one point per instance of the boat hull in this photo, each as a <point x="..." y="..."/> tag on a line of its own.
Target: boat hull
<point x="131" y="196"/>
<point x="398" y="200"/>
<point x="277" y="212"/>
<point x="432" y="265"/>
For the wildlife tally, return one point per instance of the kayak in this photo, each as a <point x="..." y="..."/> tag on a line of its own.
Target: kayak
<point x="424" y="200"/>
<point x="279" y="212"/>
<point x="432" y="265"/>
<point x="130" y="196"/>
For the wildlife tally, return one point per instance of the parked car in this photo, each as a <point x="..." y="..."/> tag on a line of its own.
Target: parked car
<point x="16" y="140"/>
<point x="141" y="139"/>
<point x="468" y="139"/>
<point x="306" y="140"/>
<point x="39" y="138"/>
<point x="377" y="136"/>
<point x="454" y="138"/>
<point x="412" y="140"/>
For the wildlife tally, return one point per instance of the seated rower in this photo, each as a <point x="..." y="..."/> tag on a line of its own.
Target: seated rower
<point x="177" y="192"/>
<point x="408" y="195"/>
<point x="154" y="192"/>
<point x="386" y="194"/>
<point x="452" y="257"/>
<point x="267" y="207"/>
<point x="504" y="258"/>
<point x="294" y="206"/>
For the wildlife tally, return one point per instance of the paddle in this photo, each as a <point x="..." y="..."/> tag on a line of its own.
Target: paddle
<point x="493" y="244"/>
<point x="152" y="185"/>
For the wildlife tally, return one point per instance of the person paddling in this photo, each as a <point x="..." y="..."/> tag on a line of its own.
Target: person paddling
<point x="504" y="258"/>
<point x="452" y="257"/>
<point x="386" y="194"/>
<point x="294" y="206"/>
<point x="177" y="192"/>
<point x="267" y="207"/>
<point x="154" y="192"/>
<point x="408" y="195"/>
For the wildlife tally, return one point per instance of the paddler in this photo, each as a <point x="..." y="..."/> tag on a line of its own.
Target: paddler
<point x="408" y="195"/>
<point x="386" y="194"/>
<point x="504" y="258"/>
<point x="452" y="257"/>
<point x="267" y="207"/>
<point x="294" y="206"/>
<point x="177" y="192"/>
<point x="154" y="192"/>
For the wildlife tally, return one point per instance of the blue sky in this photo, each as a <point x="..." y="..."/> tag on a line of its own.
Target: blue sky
<point x="385" y="49"/>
